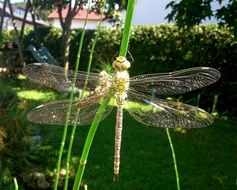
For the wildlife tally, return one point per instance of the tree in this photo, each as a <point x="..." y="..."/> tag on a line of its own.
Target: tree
<point x="187" y="13"/>
<point x="73" y="7"/>
<point x="111" y="12"/>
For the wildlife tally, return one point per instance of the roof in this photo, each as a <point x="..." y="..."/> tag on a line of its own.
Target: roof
<point x="81" y="15"/>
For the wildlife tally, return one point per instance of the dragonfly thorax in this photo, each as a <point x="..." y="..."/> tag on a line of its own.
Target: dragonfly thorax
<point x="121" y="82"/>
<point x="121" y="86"/>
<point x="104" y="78"/>
<point x="104" y="83"/>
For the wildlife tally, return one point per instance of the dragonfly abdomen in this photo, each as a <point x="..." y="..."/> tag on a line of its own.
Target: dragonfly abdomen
<point x="118" y="137"/>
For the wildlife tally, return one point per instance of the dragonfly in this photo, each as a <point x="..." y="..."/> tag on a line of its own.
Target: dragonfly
<point x="136" y="94"/>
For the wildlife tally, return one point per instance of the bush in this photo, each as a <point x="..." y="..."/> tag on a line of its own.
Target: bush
<point x="166" y="48"/>
<point x="160" y="49"/>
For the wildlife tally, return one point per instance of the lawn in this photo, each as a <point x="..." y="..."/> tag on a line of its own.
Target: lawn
<point x="206" y="157"/>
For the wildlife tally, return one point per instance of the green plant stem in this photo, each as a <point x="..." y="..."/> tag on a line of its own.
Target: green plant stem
<point x="15" y="183"/>
<point x="127" y="28"/>
<point x="174" y="159"/>
<point x="88" y="142"/>
<point x="60" y="156"/>
<point x="214" y="103"/>
<point x="78" y="112"/>
<point x="68" y="112"/>
<point x="69" y="157"/>
<point x="104" y="103"/>
<point x="1" y="173"/>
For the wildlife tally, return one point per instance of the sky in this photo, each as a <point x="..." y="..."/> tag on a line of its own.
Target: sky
<point x="13" y="1"/>
<point x="152" y="11"/>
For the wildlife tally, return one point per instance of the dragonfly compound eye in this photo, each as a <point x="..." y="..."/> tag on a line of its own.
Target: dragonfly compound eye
<point x="121" y="63"/>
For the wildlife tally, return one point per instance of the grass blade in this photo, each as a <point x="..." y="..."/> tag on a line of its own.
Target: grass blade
<point x="174" y="158"/>
<point x="78" y="112"/>
<point x="15" y="183"/>
<point x="127" y="28"/>
<point x="104" y="104"/>
<point x="69" y="109"/>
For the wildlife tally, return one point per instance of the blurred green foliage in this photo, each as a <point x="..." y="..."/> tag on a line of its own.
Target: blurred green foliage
<point x="188" y="13"/>
<point x="159" y="48"/>
<point x="154" y="49"/>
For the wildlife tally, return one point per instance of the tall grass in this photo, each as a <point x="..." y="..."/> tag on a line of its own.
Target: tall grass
<point x="174" y="159"/>
<point x="100" y="111"/>
<point x="69" y="111"/>
<point x="104" y="104"/>
<point x="81" y="95"/>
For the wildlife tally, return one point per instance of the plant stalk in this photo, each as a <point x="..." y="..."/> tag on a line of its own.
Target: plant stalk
<point x="68" y="113"/>
<point x="78" y="112"/>
<point x="15" y="183"/>
<point x="88" y="142"/>
<point x="174" y="159"/>
<point x="127" y="28"/>
<point x="104" y="103"/>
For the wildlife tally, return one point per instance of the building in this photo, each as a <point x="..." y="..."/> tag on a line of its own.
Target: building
<point x="146" y="12"/>
<point x="78" y="21"/>
<point x="19" y="12"/>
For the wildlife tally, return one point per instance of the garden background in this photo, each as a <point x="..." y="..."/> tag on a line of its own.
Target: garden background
<point x="206" y="157"/>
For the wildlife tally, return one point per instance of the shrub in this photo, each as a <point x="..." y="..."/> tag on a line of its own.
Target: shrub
<point x="162" y="48"/>
<point x="166" y="48"/>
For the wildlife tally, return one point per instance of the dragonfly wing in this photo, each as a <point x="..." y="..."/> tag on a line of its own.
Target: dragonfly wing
<point x="175" y="82"/>
<point x="54" y="77"/>
<point x="166" y="114"/>
<point x="55" y="113"/>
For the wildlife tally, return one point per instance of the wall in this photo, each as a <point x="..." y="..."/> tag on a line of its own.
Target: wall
<point x="91" y="24"/>
<point x="7" y="24"/>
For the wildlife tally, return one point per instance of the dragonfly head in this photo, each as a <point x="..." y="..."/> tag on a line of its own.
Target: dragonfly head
<point x="121" y="64"/>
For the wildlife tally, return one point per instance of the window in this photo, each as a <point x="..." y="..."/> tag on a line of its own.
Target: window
<point x="20" y="11"/>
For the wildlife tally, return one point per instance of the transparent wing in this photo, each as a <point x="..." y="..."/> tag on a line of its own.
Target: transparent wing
<point x="175" y="82"/>
<point x="54" y="77"/>
<point x="166" y="114"/>
<point x="54" y="113"/>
